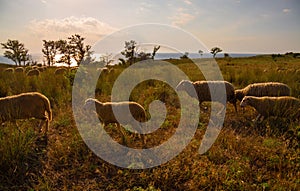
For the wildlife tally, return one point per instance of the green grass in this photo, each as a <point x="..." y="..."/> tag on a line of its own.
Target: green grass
<point x="244" y="156"/>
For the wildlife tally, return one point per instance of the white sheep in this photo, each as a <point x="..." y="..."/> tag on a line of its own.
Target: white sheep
<point x="205" y="88"/>
<point x="106" y="112"/>
<point x="19" y="70"/>
<point x="25" y="106"/>
<point x="60" y="71"/>
<point x="285" y="106"/>
<point x="103" y="70"/>
<point x="272" y="89"/>
<point x="9" y="70"/>
<point x="33" y="72"/>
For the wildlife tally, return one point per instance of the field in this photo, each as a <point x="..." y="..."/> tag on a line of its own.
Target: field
<point x="245" y="156"/>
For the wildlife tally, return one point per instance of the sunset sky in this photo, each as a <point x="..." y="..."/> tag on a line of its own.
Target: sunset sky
<point x="245" y="26"/>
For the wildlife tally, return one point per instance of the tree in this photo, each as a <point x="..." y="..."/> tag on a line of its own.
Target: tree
<point x="185" y="56"/>
<point x="129" y="51"/>
<point x="143" y="55"/>
<point x="155" y="49"/>
<point x="226" y="55"/>
<point x="214" y="51"/>
<point x="16" y="51"/>
<point x="49" y="50"/>
<point x="66" y="50"/>
<point x="79" y="50"/>
<point x="200" y="52"/>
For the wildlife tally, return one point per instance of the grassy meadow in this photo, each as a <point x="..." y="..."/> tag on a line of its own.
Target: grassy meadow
<point x="245" y="156"/>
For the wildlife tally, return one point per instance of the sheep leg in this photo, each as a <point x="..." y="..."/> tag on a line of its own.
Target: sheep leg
<point x="42" y="122"/>
<point x="259" y="117"/>
<point x="141" y="135"/>
<point x="124" y="142"/>
<point x="222" y="110"/>
<point x="235" y="108"/>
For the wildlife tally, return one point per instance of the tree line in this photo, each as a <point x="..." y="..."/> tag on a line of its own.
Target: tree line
<point x="74" y="48"/>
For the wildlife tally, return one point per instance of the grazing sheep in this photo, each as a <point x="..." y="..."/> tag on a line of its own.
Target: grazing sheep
<point x="60" y="71"/>
<point x="9" y="70"/>
<point x="103" y="70"/>
<point x="105" y="112"/>
<point x="272" y="89"/>
<point x="25" y="106"/>
<point x="19" y="70"/>
<point x="284" y="106"/>
<point x="27" y="68"/>
<point x="33" y="72"/>
<point x="74" y="69"/>
<point x="106" y="115"/>
<point x="204" y="88"/>
<point x="41" y="69"/>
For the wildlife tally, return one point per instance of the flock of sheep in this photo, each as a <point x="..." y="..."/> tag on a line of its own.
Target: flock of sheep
<point x="269" y="99"/>
<point x="36" y="70"/>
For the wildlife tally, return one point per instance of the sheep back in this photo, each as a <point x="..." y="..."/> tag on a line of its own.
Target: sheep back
<point x="19" y="70"/>
<point x="60" y="71"/>
<point x="285" y="106"/>
<point x="25" y="106"/>
<point x="33" y="72"/>
<point x="105" y="112"/>
<point x="204" y="89"/>
<point x="9" y="70"/>
<point x="272" y="89"/>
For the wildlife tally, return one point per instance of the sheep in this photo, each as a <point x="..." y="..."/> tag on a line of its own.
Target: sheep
<point x="60" y="71"/>
<point x="19" y="70"/>
<point x="41" y="69"/>
<point x="103" y="70"/>
<point x="74" y="69"/>
<point x="263" y="89"/>
<point x="105" y="112"/>
<point x="285" y="106"/>
<point x="25" y="106"/>
<point x="33" y="72"/>
<point x="204" y="88"/>
<point x="9" y="70"/>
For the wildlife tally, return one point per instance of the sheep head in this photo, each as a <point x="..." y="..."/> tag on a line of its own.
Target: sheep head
<point x="246" y="101"/>
<point x="184" y="85"/>
<point x="239" y="94"/>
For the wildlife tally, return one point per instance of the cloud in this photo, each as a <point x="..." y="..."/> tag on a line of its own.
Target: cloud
<point x="54" y="29"/>
<point x="187" y="2"/>
<point x="286" y="11"/>
<point x="144" y="7"/>
<point x="181" y="17"/>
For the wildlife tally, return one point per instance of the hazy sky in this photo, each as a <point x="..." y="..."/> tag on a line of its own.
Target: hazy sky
<point x="250" y="26"/>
